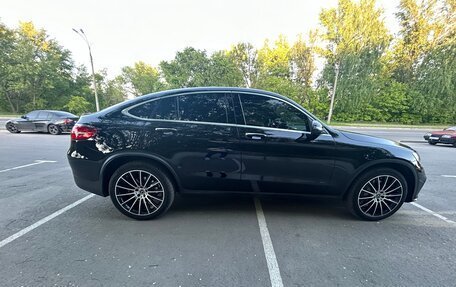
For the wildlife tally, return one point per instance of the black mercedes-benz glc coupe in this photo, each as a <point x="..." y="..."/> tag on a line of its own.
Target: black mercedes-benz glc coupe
<point x="224" y="140"/>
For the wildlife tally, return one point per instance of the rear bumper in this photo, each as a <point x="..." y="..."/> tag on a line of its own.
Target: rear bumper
<point x="86" y="174"/>
<point x="66" y="128"/>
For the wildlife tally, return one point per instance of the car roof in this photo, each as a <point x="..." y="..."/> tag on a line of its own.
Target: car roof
<point x="146" y="97"/>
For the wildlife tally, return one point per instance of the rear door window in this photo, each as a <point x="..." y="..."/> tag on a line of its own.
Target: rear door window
<point x="161" y="109"/>
<point x="206" y="107"/>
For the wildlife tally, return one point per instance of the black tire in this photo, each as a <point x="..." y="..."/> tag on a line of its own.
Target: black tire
<point x="362" y="195"/>
<point x="432" y="143"/>
<point x="54" y="130"/>
<point x="152" y="191"/>
<point x="12" y="128"/>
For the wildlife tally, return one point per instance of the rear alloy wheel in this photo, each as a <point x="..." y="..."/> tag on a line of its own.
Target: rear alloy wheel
<point x="54" y="130"/>
<point x="12" y="128"/>
<point x="141" y="191"/>
<point x="377" y="194"/>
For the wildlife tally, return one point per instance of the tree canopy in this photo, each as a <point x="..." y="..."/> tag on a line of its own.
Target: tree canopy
<point x="407" y="77"/>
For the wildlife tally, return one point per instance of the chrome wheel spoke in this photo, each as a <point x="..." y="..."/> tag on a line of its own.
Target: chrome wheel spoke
<point x="366" y="203"/>
<point x="131" y="207"/>
<point x="128" y="182"/>
<point x="150" y="201"/>
<point x="139" y="206"/>
<point x="130" y="189"/>
<point x="372" y="186"/>
<point x="384" y="184"/>
<point x="124" y="194"/>
<point x="387" y="199"/>
<point x="153" y="185"/>
<point x="393" y="190"/>
<point x="128" y="200"/>
<point x="386" y="205"/>
<point x="153" y="197"/>
<point x="147" y="180"/>
<point x="392" y="195"/>
<point x="366" y="191"/>
<point x="134" y="180"/>
<point x="145" y="204"/>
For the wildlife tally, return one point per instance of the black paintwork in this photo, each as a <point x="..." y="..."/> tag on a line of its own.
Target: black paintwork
<point x="207" y="157"/>
<point x="39" y="121"/>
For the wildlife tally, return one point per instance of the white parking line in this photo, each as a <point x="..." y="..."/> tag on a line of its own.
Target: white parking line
<point x="447" y="175"/>
<point x="273" y="266"/>
<point x="433" y="213"/>
<point x="26" y="165"/>
<point x="43" y="221"/>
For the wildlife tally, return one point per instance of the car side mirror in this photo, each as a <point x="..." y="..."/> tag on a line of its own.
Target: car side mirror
<point x="316" y="130"/>
<point x="24" y="117"/>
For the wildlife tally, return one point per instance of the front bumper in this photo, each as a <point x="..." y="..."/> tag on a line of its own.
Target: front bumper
<point x="420" y="181"/>
<point x="447" y="140"/>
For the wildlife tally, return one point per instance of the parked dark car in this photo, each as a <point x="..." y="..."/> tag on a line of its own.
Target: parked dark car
<point x="224" y="140"/>
<point x="53" y="122"/>
<point x="446" y="136"/>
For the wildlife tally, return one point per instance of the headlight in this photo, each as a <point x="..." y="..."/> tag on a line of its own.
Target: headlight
<point x="446" y="136"/>
<point x="428" y="135"/>
<point x="416" y="156"/>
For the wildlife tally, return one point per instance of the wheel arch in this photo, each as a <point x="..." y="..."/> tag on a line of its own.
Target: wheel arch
<point x="114" y="162"/>
<point x="403" y="167"/>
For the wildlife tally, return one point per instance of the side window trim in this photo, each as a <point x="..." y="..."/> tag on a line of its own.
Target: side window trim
<point x="242" y="108"/>
<point x="125" y="111"/>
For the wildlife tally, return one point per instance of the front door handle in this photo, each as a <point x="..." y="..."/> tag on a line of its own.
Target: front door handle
<point x="166" y="131"/>
<point x="255" y="136"/>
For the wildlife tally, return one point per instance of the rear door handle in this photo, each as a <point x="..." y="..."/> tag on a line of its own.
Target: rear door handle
<point x="255" y="136"/>
<point x="166" y="131"/>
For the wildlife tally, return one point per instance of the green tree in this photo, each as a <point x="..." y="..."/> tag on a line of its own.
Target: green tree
<point x="38" y="70"/>
<point x="189" y="68"/>
<point x="77" y="105"/>
<point x="356" y="39"/>
<point x="245" y="57"/>
<point x="141" y="79"/>
<point x="223" y="71"/>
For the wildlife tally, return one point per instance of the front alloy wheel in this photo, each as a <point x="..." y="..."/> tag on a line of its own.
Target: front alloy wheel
<point x="377" y="194"/>
<point x="141" y="191"/>
<point x="12" y="128"/>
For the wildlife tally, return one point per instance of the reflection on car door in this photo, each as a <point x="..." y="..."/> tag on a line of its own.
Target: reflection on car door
<point x="193" y="133"/>
<point x="27" y="123"/>
<point x="40" y="123"/>
<point x="276" y="155"/>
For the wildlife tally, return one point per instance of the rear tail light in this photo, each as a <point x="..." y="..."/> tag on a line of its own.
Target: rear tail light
<point x="81" y="132"/>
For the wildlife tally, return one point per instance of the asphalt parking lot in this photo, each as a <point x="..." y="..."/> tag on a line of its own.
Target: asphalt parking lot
<point x="216" y="240"/>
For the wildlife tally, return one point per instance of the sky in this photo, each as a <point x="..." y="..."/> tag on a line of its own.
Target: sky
<point x="124" y="32"/>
